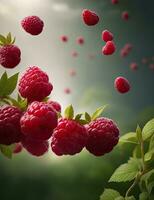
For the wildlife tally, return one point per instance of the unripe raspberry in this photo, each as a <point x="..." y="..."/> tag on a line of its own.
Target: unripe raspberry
<point x="68" y="138"/>
<point x="103" y="135"/>
<point x="122" y="85"/>
<point x="55" y="105"/>
<point x="32" y="24"/>
<point x="107" y="36"/>
<point x="34" y="147"/>
<point x="18" y="148"/>
<point x="109" y="48"/>
<point x="34" y="84"/>
<point x="90" y="18"/>
<point x="10" y="125"/>
<point x="38" y="121"/>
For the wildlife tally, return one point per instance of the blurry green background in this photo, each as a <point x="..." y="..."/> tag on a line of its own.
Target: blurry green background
<point x="82" y="176"/>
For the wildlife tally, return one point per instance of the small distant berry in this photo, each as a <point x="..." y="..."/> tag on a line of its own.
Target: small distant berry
<point x="109" y="48"/>
<point x="39" y="121"/>
<point x="107" y="36"/>
<point x="34" y="84"/>
<point x="114" y="1"/>
<point x="10" y="56"/>
<point x="68" y="138"/>
<point x="72" y="72"/>
<point x="74" y="54"/>
<point x="122" y="85"/>
<point x="151" y="66"/>
<point x="103" y="135"/>
<point x="32" y="24"/>
<point x="134" y="66"/>
<point x="90" y="18"/>
<point x="67" y="90"/>
<point x="10" y="125"/>
<point x="80" y="40"/>
<point x="64" y="38"/>
<point x="125" y="15"/>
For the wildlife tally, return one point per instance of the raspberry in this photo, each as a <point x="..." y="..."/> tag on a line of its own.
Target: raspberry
<point x="107" y="36"/>
<point x="122" y="85"/>
<point x="90" y="18"/>
<point x="32" y="24"/>
<point x="55" y="105"/>
<point x="67" y="91"/>
<point x="125" y="15"/>
<point x="64" y="38"/>
<point x="36" y="148"/>
<point x="151" y="66"/>
<point x="123" y="53"/>
<point x="103" y="135"/>
<point x="80" y="40"/>
<point x="38" y="121"/>
<point x="10" y="125"/>
<point x="68" y="138"/>
<point x="34" y="84"/>
<point x="18" y="148"/>
<point x="109" y="48"/>
<point x="72" y="72"/>
<point x="74" y="54"/>
<point x="134" y="66"/>
<point x="114" y="1"/>
<point x="10" y="56"/>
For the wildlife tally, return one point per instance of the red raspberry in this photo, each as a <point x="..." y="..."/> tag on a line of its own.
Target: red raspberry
<point x="18" y="148"/>
<point x="55" y="105"/>
<point x="32" y="24"/>
<point x="80" y="40"/>
<point x="107" y="36"/>
<point x="34" y="84"/>
<point x="10" y="125"/>
<point x="67" y="91"/>
<point x="34" y="147"/>
<point x="38" y="121"/>
<point x="9" y="56"/>
<point x="74" y="54"/>
<point x="103" y="135"/>
<point x="134" y="66"/>
<point x="72" y="72"/>
<point x="122" y="85"/>
<point x="90" y="18"/>
<point x="125" y="15"/>
<point x="68" y="138"/>
<point x="123" y="53"/>
<point x="109" y="48"/>
<point x="64" y="38"/>
<point x="128" y="47"/>
<point x="114" y="1"/>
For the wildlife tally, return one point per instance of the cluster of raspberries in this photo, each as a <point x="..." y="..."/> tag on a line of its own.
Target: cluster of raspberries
<point x="38" y="124"/>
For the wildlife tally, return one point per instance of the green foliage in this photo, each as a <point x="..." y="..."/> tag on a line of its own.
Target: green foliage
<point x="6" y="40"/>
<point x="148" y="130"/>
<point x="7" y="150"/>
<point x="98" y="112"/>
<point x="69" y="112"/>
<point x="109" y="194"/>
<point x="129" y="138"/>
<point x="126" y="172"/>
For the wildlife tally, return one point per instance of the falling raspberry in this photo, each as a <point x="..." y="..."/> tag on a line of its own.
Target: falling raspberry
<point x="32" y="25"/>
<point x="10" y="54"/>
<point x="133" y="66"/>
<point x="90" y="18"/>
<point x="72" y="72"/>
<point x="74" y="54"/>
<point x="125" y="15"/>
<point x="122" y="85"/>
<point x="64" y="38"/>
<point x="80" y="40"/>
<point x="67" y="91"/>
<point x="107" y="36"/>
<point x="34" y="84"/>
<point x="114" y="1"/>
<point x="109" y="48"/>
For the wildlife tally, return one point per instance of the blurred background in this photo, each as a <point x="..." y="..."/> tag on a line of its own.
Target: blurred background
<point x="82" y="176"/>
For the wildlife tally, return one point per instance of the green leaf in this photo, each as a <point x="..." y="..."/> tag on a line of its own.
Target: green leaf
<point x="130" y="198"/>
<point x="3" y="82"/>
<point x="128" y="138"/>
<point x="148" y="130"/>
<point x="69" y="112"/>
<point x="109" y="194"/>
<point x="149" y="155"/>
<point x="120" y="198"/>
<point x="139" y="133"/>
<point x="151" y="145"/>
<point x="87" y="117"/>
<point x="82" y="121"/>
<point x="2" y="39"/>
<point x="98" y="112"/>
<point x="78" y="117"/>
<point x="11" y="84"/>
<point x="143" y="196"/>
<point x="8" y="38"/>
<point x="147" y="180"/>
<point x="137" y="152"/>
<point x="7" y="150"/>
<point x="126" y="172"/>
